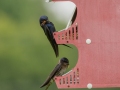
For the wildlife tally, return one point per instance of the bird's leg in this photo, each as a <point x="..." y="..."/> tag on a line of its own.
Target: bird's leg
<point x="53" y="80"/>
<point x="48" y="85"/>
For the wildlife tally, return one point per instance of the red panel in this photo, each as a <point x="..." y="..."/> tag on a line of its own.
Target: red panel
<point x="98" y="62"/>
<point x="61" y="0"/>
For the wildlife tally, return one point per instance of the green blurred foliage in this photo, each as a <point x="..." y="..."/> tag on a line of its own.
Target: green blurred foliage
<point x="26" y="57"/>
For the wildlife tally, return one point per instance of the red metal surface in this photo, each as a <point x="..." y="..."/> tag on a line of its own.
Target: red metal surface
<point x="98" y="62"/>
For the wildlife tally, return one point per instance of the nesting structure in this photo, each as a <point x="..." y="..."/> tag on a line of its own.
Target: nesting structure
<point x="95" y="31"/>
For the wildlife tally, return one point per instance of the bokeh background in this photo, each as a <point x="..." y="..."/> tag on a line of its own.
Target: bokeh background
<point x="26" y="57"/>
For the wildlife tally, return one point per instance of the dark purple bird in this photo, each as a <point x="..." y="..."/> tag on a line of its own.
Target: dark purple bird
<point x="48" y="28"/>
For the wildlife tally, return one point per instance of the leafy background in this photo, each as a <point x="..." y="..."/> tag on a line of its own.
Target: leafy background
<point x="26" y="57"/>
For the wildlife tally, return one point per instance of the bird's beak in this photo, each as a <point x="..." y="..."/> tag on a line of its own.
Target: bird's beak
<point x="43" y="23"/>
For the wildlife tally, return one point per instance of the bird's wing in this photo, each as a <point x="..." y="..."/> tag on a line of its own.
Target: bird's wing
<point x="50" y="32"/>
<point x="52" y="75"/>
<point x="52" y="41"/>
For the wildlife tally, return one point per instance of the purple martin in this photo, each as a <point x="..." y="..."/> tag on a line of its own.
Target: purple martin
<point x="49" y="28"/>
<point x="59" y="70"/>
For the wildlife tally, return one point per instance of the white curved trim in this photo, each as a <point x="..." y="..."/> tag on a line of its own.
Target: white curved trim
<point x="70" y="22"/>
<point x="48" y="0"/>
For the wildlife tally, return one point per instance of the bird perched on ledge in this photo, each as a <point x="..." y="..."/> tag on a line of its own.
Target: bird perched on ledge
<point x="49" y="28"/>
<point x="57" y="71"/>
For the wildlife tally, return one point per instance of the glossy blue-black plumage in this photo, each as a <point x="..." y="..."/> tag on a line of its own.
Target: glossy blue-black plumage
<point x="49" y="29"/>
<point x="49" y="24"/>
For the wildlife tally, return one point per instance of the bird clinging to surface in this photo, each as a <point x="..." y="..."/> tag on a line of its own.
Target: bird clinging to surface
<point x="57" y="71"/>
<point x="49" y="28"/>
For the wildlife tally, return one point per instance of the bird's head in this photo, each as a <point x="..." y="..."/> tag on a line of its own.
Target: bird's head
<point x="43" y="20"/>
<point x="64" y="61"/>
